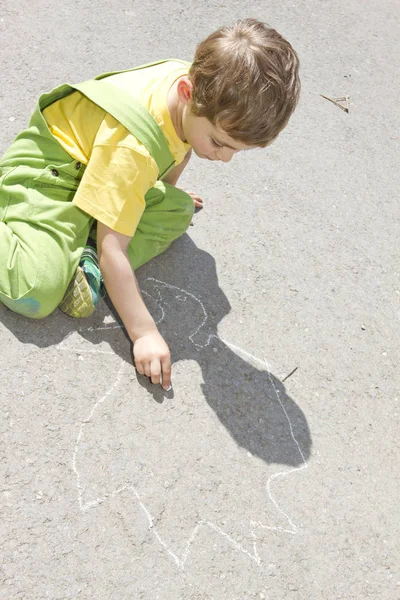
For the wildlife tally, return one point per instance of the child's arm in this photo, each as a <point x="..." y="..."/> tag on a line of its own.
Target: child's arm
<point x="152" y="355"/>
<point x="174" y="174"/>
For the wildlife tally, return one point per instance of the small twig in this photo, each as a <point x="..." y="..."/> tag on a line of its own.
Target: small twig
<point x="290" y="374"/>
<point x="342" y="102"/>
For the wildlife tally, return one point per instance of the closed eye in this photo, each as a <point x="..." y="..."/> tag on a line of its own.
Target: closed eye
<point x="216" y="143"/>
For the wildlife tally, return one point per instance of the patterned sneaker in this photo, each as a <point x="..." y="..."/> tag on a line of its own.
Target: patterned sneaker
<point x="83" y="292"/>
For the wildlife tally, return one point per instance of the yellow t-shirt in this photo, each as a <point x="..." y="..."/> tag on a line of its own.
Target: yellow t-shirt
<point x="119" y="168"/>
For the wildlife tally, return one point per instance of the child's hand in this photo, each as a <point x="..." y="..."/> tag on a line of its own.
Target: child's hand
<point x="153" y="359"/>
<point x="198" y="202"/>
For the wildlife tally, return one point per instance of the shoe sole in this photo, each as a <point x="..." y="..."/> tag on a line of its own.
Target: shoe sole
<point x="77" y="301"/>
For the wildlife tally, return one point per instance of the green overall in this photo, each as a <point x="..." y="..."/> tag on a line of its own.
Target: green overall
<point x="42" y="233"/>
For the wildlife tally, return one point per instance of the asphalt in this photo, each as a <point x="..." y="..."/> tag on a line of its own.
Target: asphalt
<point x="271" y="469"/>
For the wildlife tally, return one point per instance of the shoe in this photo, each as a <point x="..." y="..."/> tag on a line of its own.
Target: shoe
<point x="83" y="292"/>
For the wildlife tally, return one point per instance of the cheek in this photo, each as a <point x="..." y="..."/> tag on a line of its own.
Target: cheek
<point x="206" y="143"/>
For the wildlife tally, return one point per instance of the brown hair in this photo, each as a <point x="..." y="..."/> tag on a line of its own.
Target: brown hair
<point x="245" y="81"/>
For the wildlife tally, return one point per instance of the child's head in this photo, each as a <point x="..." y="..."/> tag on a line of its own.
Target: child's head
<point x="245" y="82"/>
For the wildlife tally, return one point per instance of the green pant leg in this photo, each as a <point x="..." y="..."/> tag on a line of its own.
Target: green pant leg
<point x="38" y="270"/>
<point x="166" y="217"/>
<point x="42" y="234"/>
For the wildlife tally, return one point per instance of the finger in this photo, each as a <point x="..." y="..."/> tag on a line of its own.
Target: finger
<point x="139" y="367"/>
<point x="166" y="372"/>
<point x="196" y="197"/>
<point x="147" y="369"/>
<point x="155" y="371"/>
<point x="198" y="202"/>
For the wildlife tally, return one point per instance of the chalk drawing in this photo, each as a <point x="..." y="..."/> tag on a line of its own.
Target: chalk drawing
<point x="291" y="528"/>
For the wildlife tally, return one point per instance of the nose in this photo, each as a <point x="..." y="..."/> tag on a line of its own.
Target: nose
<point x="226" y="154"/>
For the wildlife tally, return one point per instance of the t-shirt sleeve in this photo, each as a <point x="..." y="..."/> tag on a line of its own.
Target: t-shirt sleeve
<point x="115" y="181"/>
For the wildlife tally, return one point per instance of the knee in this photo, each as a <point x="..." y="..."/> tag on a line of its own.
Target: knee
<point x="182" y="207"/>
<point x="28" y="307"/>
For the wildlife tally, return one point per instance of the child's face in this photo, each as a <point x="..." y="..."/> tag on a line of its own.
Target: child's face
<point x="207" y="140"/>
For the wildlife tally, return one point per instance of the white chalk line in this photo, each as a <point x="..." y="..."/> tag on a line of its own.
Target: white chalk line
<point x="293" y="527"/>
<point x="180" y="562"/>
<point x="187" y="294"/>
<point x="86" y="422"/>
<point x="256" y="525"/>
<point x="77" y="350"/>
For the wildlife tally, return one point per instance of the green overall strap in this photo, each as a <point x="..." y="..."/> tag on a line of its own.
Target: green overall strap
<point x="132" y="115"/>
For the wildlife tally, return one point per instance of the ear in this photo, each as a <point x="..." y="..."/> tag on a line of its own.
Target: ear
<point x="184" y="89"/>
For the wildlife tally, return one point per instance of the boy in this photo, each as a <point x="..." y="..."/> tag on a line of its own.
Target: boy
<point x="96" y="158"/>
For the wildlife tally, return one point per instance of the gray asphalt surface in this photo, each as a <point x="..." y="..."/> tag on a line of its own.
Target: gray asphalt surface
<point x="243" y="483"/>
